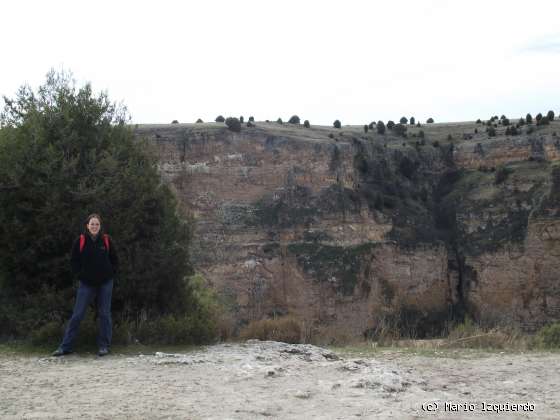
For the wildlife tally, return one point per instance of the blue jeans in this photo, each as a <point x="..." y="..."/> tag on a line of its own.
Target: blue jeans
<point x="85" y="296"/>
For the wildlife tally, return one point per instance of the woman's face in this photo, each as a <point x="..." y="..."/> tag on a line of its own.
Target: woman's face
<point x="93" y="226"/>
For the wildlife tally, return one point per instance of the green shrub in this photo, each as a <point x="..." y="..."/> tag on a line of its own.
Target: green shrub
<point x="543" y="121"/>
<point x="337" y="124"/>
<point x="306" y="124"/>
<point x="233" y="124"/>
<point x="220" y="119"/>
<point x="174" y="122"/>
<point x="286" y="329"/>
<point x="549" y="336"/>
<point x="294" y="119"/>
<point x="430" y="120"/>
<point x="501" y="174"/>
<point x="538" y="117"/>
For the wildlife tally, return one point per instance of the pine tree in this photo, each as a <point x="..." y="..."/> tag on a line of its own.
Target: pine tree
<point x="64" y="153"/>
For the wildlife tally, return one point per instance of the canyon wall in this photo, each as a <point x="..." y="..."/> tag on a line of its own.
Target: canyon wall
<point x="354" y="232"/>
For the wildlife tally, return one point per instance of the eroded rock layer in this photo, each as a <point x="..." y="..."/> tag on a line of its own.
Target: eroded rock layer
<point x="355" y="232"/>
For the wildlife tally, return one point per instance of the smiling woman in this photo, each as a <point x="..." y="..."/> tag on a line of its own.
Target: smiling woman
<point x="95" y="262"/>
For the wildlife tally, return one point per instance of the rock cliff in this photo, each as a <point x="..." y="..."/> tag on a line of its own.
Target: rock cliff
<point x="355" y="233"/>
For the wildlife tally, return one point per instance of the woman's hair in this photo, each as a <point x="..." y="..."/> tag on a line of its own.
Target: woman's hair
<point x="93" y="216"/>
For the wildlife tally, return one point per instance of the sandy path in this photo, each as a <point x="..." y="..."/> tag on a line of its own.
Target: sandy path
<point x="273" y="380"/>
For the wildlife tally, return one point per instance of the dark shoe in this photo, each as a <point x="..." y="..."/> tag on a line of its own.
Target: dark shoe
<point x="59" y="352"/>
<point x="103" y="352"/>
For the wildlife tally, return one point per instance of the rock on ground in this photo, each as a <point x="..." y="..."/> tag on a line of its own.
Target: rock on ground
<point x="266" y="379"/>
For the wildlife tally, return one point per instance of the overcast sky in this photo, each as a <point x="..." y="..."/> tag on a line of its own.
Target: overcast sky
<point x="323" y="60"/>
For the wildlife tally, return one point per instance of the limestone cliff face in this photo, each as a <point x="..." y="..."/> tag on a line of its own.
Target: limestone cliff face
<point x="358" y="233"/>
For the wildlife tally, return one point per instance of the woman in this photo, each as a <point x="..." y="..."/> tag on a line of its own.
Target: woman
<point x="95" y="263"/>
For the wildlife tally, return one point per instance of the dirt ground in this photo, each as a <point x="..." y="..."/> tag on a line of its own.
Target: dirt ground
<point x="265" y="379"/>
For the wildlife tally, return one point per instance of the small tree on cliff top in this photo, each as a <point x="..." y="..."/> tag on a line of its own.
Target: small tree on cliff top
<point x="294" y="119"/>
<point x="64" y="153"/>
<point x="233" y="124"/>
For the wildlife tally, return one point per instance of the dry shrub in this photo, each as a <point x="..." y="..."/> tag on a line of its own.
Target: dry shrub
<point x="226" y="326"/>
<point x="331" y="335"/>
<point x="287" y="329"/>
<point x="471" y="335"/>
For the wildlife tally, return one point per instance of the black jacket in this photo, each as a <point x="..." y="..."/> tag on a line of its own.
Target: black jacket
<point x="94" y="265"/>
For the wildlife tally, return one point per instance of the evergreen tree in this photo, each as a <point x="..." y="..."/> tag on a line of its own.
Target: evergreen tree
<point x="337" y="124"/>
<point x="65" y="153"/>
<point x="233" y="124"/>
<point x="380" y="127"/>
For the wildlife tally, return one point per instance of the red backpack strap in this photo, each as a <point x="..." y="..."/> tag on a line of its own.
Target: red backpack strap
<point x="106" y="240"/>
<point x="82" y="242"/>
